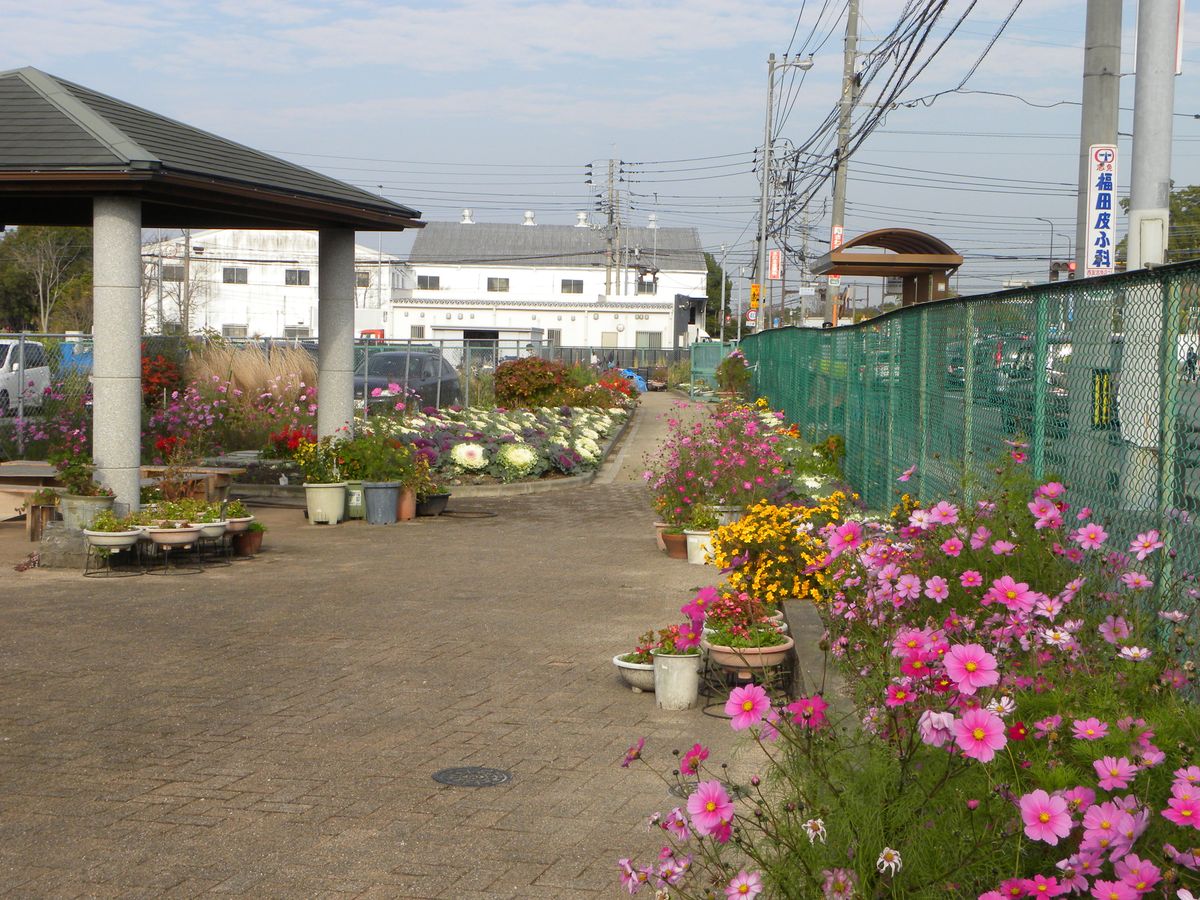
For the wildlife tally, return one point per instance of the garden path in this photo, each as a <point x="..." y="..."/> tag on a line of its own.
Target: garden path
<point x="271" y="729"/>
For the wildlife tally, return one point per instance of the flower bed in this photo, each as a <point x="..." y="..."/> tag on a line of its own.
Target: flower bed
<point x="1021" y="719"/>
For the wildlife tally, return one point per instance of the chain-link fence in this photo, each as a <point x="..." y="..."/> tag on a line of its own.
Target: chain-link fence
<point x="1098" y="378"/>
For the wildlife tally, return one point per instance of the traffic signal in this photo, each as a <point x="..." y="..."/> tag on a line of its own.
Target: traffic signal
<point x="1071" y="270"/>
<point x="1059" y="268"/>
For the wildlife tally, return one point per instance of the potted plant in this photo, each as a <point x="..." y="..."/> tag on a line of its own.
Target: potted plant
<point x="636" y="668"/>
<point x="350" y="467"/>
<point x="109" y="532"/>
<point x="733" y="374"/>
<point x="677" y="666"/>
<point x="381" y="461"/>
<point x="82" y="496"/>
<point x="168" y="524"/>
<point x="324" y="489"/>
<point x="431" y="498"/>
<point x="675" y="541"/>
<point x="208" y="516"/>
<point x="249" y="542"/>
<point x="237" y="517"/>
<point x="699" y="534"/>
<point x="743" y="647"/>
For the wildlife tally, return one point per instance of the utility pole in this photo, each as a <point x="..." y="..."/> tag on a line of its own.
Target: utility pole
<point x="185" y="307"/>
<point x="608" y="267"/>
<point x="845" y="115"/>
<point x="1147" y="427"/>
<point x="741" y="312"/>
<point x="722" y="293"/>
<point x="760" y="269"/>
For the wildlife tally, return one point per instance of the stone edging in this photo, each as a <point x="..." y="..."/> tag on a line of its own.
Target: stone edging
<point x="295" y="492"/>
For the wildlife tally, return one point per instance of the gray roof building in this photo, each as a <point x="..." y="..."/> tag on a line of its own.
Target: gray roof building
<point x="554" y="246"/>
<point x="74" y="140"/>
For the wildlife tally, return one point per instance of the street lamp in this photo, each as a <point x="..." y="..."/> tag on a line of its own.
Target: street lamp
<point x="1051" y="224"/>
<point x="761" y="268"/>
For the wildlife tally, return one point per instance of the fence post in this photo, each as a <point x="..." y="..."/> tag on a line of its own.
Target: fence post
<point x="968" y="397"/>
<point x="923" y="404"/>
<point x="1040" y="351"/>
<point x="21" y="392"/>
<point x="1168" y="397"/>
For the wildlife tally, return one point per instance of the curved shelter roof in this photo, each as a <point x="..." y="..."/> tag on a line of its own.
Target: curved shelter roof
<point x="906" y="252"/>
<point x="62" y="144"/>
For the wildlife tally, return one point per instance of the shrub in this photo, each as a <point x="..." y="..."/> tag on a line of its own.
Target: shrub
<point x="529" y="382"/>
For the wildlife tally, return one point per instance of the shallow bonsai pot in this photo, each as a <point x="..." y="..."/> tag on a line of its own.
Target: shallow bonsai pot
<point x="112" y="539"/>
<point x="639" y="676"/>
<point x="174" y="537"/>
<point x="238" y="524"/>
<point x="744" y="660"/>
<point x="213" y="530"/>
<point x="433" y="505"/>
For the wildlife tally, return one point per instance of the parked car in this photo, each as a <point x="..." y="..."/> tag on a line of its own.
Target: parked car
<point x="30" y="380"/>
<point x="425" y="371"/>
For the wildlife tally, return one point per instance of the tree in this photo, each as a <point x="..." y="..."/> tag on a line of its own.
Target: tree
<point x="712" y="318"/>
<point x="40" y="261"/>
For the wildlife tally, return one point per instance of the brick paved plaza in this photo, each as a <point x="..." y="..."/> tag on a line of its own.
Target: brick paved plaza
<point x="270" y="729"/>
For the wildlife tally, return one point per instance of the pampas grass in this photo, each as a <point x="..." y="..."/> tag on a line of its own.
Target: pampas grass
<point x="251" y="369"/>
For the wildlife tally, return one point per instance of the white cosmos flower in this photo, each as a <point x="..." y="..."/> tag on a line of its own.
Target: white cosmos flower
<point x="1056" y="637"/>
<point x="1002" y="706"/>
<point x="815" y="829"/>
<point x="1137" y="654"/>
<point x="889" y="859"/>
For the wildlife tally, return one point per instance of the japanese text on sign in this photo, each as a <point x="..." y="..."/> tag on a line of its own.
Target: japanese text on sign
<point x="1102" y="190"/>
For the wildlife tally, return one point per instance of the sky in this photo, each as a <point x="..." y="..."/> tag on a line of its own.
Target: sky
<point x="500" y="105"/>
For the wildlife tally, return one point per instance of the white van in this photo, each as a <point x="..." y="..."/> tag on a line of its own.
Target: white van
<point x="31" y="379"/>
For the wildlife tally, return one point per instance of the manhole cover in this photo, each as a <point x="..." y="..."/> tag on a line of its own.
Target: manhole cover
<point x="472" y="776"/>
<point x="684" y="789"/>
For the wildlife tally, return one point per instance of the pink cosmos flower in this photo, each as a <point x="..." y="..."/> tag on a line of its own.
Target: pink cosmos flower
<point x="937" y="589"/>
<point x="629" y="875"/>
<point x="1183" y="811"/>
<point x="1079" y="799"/>
<point x="936" y="728"/>
<point x="1114" y="629"/>
<point x="847" y="536"/>
<point x="839" y="884"/>
<point x="690" y="634"/>
<point x="809" y="712"/>
<point x="1188" y="775"/>
<point x="1113" y="890"/>
<point x="1136" y="581"/>
<point x="907" y="473"/>
<point x="1091" y="729"/>
<point x="916" y="664"/>
<point x="952" y="546"/>
<point x="1042" y="507"/>
<point x="690" y="763"/>
<point x="1145" y="544"/>
<point x="943" y="513"/>
<point x="971" y="668"/>
<point x="979" y="734"/>
<point x="1015" y="595"/>
<point x="709" y="807"/>
<point x="1090" y="536"/>
<point x="908" y="586"/>
<point x="747" y="706"/>
<point x="1052" y="490"/>
<point x="979" y="537"/>
<point x="633" y="753"/>
<point x="1041" y="886"/>
<point x="970" y="578"/>
<point x="1003" y="548"/>
<point x="899" y="695"/>
<point x="744" y="884"/>
<point x="1140" y="874"/>
<point x="1045" y="817"/>
<point x="676" y="824"/>
<point x="1043" y="727"/>
<point x="1102" y="825"/>
<point x="1114" y="773"/>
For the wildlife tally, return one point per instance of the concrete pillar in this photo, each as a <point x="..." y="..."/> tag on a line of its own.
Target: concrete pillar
<point x="117" y="332"/>
<point x="335" y="331"/>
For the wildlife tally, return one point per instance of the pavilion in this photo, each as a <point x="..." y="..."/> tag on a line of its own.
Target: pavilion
<point x="923" y="262"/>
<point x="71" y="156"/>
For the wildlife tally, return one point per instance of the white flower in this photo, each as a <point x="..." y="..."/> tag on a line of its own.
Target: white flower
<point x="1137" y="654"/>
<point x="1056" y="637"/>
<point x="889" y="859"/>
<point x="589" y="433"/>
<point x="519" y="457"/>
<point x="1173" y="615"/>
<point x="1001" y="706"/>
<point x="815" y="829"/>
<point x="469" y="456"/>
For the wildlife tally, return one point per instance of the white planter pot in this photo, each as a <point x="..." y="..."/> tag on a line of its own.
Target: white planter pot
<point x="727" y="515"/>
<point x="676" y="681"/>
<point x="326" y="503"/>
<point x="699" y="546"/>
<point x="113" y="539"/>
<point x="241" y="523"/>
<point x="639" y="676"/>
<point x="173" y="537"/>
<point x="213" y="530"/>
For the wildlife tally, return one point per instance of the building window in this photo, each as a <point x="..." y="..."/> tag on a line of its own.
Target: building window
<point x="362" y="279"/>
<point x="416" y="331"/>
<point x="429" y="282"/>
<point x="172" y="273"/>
<point x="572" y="285"/>
<point x="498" y="285"/>
<point x="649" y="340"/>
<point x="234" y="275"/>
<point x="296" y="332"/>
<point x="647" y="287"/>
<point x="295" y="277"/>
<point x="554" y="337"/>
<point x="233" y="331"/>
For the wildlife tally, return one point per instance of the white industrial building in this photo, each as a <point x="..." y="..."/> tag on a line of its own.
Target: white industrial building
<point x="571" y="286"/>
<point x="255" y="283"/>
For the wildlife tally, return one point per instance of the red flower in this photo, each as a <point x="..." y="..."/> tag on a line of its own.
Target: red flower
<point x="1017" y="731"/>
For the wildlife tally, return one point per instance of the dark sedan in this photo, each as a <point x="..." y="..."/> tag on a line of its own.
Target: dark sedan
<point x="423" y="371"/>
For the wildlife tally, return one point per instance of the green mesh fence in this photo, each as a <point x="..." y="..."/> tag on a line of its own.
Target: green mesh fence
<point x="706" y="357"/>
<point x="1098" y="377"/>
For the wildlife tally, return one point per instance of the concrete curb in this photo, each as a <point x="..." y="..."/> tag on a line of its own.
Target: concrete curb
<point x="293" y="494"/>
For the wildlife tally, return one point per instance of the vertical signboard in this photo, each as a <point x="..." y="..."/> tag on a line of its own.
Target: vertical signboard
<point x="836" y="238"/>
<point x="1101" y="210"/>
<point x="774" y="264"/>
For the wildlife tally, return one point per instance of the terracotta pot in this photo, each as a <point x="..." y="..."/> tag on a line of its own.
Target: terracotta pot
<point x="247" y="543"/>
<point x="406" y="505"/>
<point x="676" y="545"/>
<point x="744" y="660"/>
